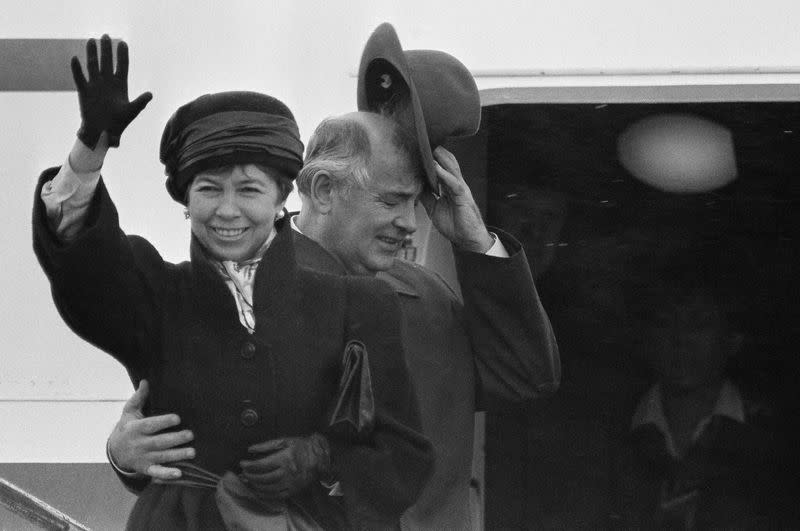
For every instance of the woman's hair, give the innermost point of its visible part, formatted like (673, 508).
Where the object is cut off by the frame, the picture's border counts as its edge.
(285, 184)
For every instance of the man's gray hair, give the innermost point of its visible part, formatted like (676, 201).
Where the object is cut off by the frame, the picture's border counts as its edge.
(339, 146)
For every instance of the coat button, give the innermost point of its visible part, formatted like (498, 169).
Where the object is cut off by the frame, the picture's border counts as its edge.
(248, 350)
(249, 417)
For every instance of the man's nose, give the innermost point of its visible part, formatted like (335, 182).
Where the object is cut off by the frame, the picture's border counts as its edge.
(407, 220)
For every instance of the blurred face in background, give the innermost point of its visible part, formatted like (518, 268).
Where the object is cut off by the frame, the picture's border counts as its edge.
(687, 341)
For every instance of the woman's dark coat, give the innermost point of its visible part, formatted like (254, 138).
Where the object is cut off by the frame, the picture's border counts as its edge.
(177, 326)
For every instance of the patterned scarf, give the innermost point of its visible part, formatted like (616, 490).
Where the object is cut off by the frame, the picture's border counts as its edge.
(240, 277)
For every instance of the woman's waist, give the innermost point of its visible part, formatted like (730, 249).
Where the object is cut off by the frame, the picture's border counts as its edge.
(221, 446)
(241, 405)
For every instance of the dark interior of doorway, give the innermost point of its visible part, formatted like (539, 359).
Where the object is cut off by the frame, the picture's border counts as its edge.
(553, 179)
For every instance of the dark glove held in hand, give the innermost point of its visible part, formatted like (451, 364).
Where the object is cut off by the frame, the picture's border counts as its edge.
(283, 467)
(104, 96)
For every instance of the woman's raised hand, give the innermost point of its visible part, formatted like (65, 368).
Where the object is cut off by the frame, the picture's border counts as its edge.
(103, 96)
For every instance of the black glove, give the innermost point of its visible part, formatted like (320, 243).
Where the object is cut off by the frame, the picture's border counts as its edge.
(287, 466)
(104, 97)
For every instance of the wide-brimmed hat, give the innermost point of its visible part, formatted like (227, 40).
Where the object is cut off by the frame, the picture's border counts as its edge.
(443, 95)
(227, 128)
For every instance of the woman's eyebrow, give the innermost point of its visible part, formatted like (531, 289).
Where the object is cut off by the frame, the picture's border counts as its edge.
(205, 179)
(251, 180)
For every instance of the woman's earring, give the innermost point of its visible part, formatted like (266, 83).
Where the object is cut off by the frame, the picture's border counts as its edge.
(186, 213)
(280, 215)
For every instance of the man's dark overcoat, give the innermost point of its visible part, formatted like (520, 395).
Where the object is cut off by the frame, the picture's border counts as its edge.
(491, 346)
(177, 326)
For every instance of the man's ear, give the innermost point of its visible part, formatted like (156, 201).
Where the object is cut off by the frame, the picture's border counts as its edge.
(322, 192)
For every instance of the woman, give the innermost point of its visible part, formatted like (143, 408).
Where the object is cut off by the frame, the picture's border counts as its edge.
(245, 346)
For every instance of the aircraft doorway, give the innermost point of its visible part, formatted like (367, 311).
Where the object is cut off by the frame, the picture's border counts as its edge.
(560, 177)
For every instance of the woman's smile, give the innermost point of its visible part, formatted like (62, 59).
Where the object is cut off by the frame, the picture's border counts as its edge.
(228, 233)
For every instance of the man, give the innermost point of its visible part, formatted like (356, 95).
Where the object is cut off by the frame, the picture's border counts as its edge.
(361, 180)
(702, 451)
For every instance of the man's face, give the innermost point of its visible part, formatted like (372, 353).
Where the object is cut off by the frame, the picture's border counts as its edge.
(368, 224)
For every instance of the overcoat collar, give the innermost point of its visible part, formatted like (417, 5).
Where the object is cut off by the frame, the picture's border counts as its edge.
(314, 256)
(399, 285)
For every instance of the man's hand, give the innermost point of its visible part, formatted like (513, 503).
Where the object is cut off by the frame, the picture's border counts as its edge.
(133, 447)
(286, 466)
(104, 96)
(455, 213)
